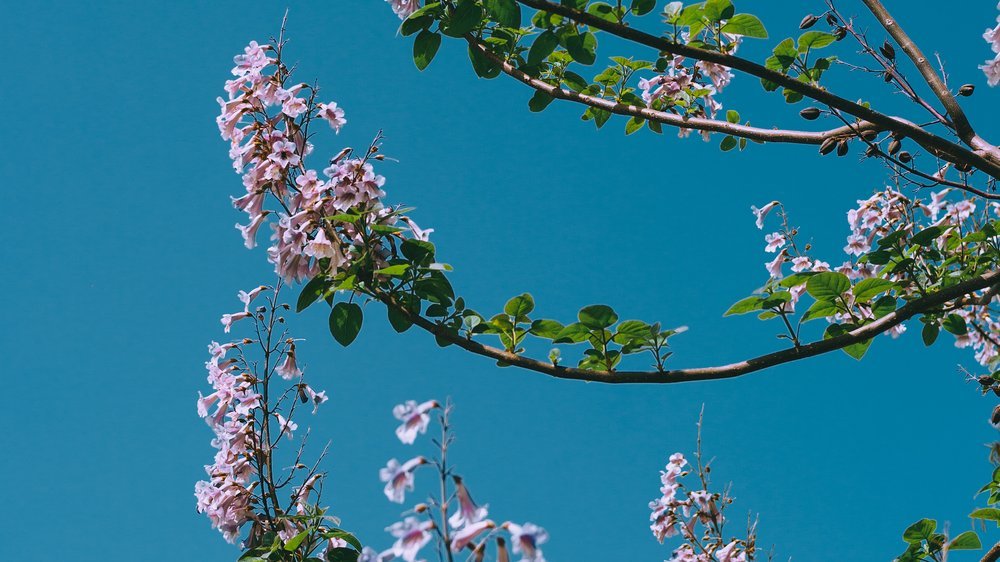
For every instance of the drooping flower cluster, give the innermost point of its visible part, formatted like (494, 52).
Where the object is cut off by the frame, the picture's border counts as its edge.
(249, 424)
(322, 220)
(899, 246)
(992, 67)
(697, 517)
(467, 528)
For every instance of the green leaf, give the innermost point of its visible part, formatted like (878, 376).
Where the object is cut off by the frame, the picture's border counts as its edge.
(716, 10)
(295, 541)
(573, 333)
(642, 7)
(466, 17)
(484, 66)
(539, 101)
(597, 316)
(634, 124)
(425, 46)
(415, 23)
(417, 251)
(749, 304)
(574, 81)
(313, 290)
(582, 47)
(968, 540)
(815, 40)
(930, 333)
(986, 513)
(519, 306)
(342, 555)
(784, 55)
(820, 309)
(506, 12)
(603, 10)
(345, 322)
(955, 324)
(548, 329)
(394, 270)
(919, 531)
(398, 319)
(542, 47)
(884, 306)
(728, 143)
(927, 236)
(866, 289)
(828, 285)
(747, 25)
(733, 116)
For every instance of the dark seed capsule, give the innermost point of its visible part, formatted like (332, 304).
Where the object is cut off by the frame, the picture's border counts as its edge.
(966, 90)
(840, 33)
(842, 148)
(995, 418)
(872, 150)
(985, 380)
(887, 77)
(808, 21)
(963, 167)
(894, 146)
(828, 146)
(810, 113)
(887, 50)
(905, 157)
(831, 19)
(869, 135)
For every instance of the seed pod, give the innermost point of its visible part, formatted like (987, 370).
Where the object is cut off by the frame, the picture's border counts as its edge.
(808, 21)
(966, 90)
(840, 33)
(905, 157)
(894, 146)
(872, 150)
(985, 380)
(887, 77)
(887, 50)
(831, 19)
(827, 146)
(995, 418)
(810, 113)
(963, 167)
(842, 148)
(869, 135)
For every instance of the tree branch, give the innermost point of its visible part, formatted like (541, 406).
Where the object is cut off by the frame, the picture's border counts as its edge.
(697, 123)
(940, 146)
(993, 555)
(858, 335)
(961, 123)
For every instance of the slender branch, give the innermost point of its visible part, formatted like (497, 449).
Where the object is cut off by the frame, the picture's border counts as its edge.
(868, 331)
(697, 123)
(936, 83)
(937, 144)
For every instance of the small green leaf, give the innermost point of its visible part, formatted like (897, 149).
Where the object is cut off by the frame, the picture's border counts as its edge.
(425, 46)
(548, 329)
(728, 143)
(986, 513)
(866, 289)
(968, 540)
(519, 306)
(716, 10)
(398, 319)
(573, 333)
(345, 322)
(749, 304)
(815, 40)
(466, 17)
(930, 333)
(484, 66)
(394, 270)
(955, 324)
(313, 290)
(634, 124)
(747, 25)
(574, 81)
(733, 116)
(582, 47)
(927, 236)
(820, 309)
(539, 101)
(642, 7)
(919, 531)
(542, 47)
(597, 316)
(295, 541)
(506, 12)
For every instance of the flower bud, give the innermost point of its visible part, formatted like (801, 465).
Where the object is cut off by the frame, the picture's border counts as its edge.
(808, 21)
(810, 113)
(966, 90)
(420, 508)
(887, 50)
(894, 146)
(828, 146)
(842, 148)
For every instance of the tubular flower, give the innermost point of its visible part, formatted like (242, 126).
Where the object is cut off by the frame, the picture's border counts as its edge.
(414, 417)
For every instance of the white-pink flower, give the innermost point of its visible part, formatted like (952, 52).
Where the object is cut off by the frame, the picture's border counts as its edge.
(411, 535)
(398, 478)
(414, 417)
(761, 213)
(228, 319)
(462, 538)
(468, 512)
(526, 539)
(332, 114)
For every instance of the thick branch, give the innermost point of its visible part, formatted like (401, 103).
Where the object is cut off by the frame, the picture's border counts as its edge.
(943, 147)
(697, 123)
(937, 85)
(993, 555)
(884, 324)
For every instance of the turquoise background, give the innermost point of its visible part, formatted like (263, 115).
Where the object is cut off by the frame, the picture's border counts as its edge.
(120, 256)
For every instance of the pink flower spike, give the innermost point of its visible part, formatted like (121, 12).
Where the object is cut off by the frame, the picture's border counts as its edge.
(228, 319)
(762, 212)
(462, 538)
(414, 418)
(468, 512)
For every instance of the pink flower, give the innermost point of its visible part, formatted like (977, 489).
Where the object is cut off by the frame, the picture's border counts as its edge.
(283, 154)
(398, 478)
(293, 107)
(287, 426)
(414, 417)
(228, 319)
(316, 398)
(857, 244)
(249, 231)
(403, 8)
(321, 247)
(774, 241)
(332, 114)
(288, 369)
(247, 298)
(762, 212)
(774, 266)
(462, 538)
(418, 233)
(992, 71)
(468, 512)
(801, 263)
(526, 539)
(729, 553)
(411, 535)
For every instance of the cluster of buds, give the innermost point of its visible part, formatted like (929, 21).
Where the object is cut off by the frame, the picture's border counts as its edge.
(468, 528)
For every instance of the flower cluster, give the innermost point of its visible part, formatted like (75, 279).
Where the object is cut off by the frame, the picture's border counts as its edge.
(322, 218)
(249, 423)
(992, 67)
(697, 517)
(467, 528)
(403, 8)
(901, 245)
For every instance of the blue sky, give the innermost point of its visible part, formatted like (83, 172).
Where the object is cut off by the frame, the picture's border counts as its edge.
(121, 255)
